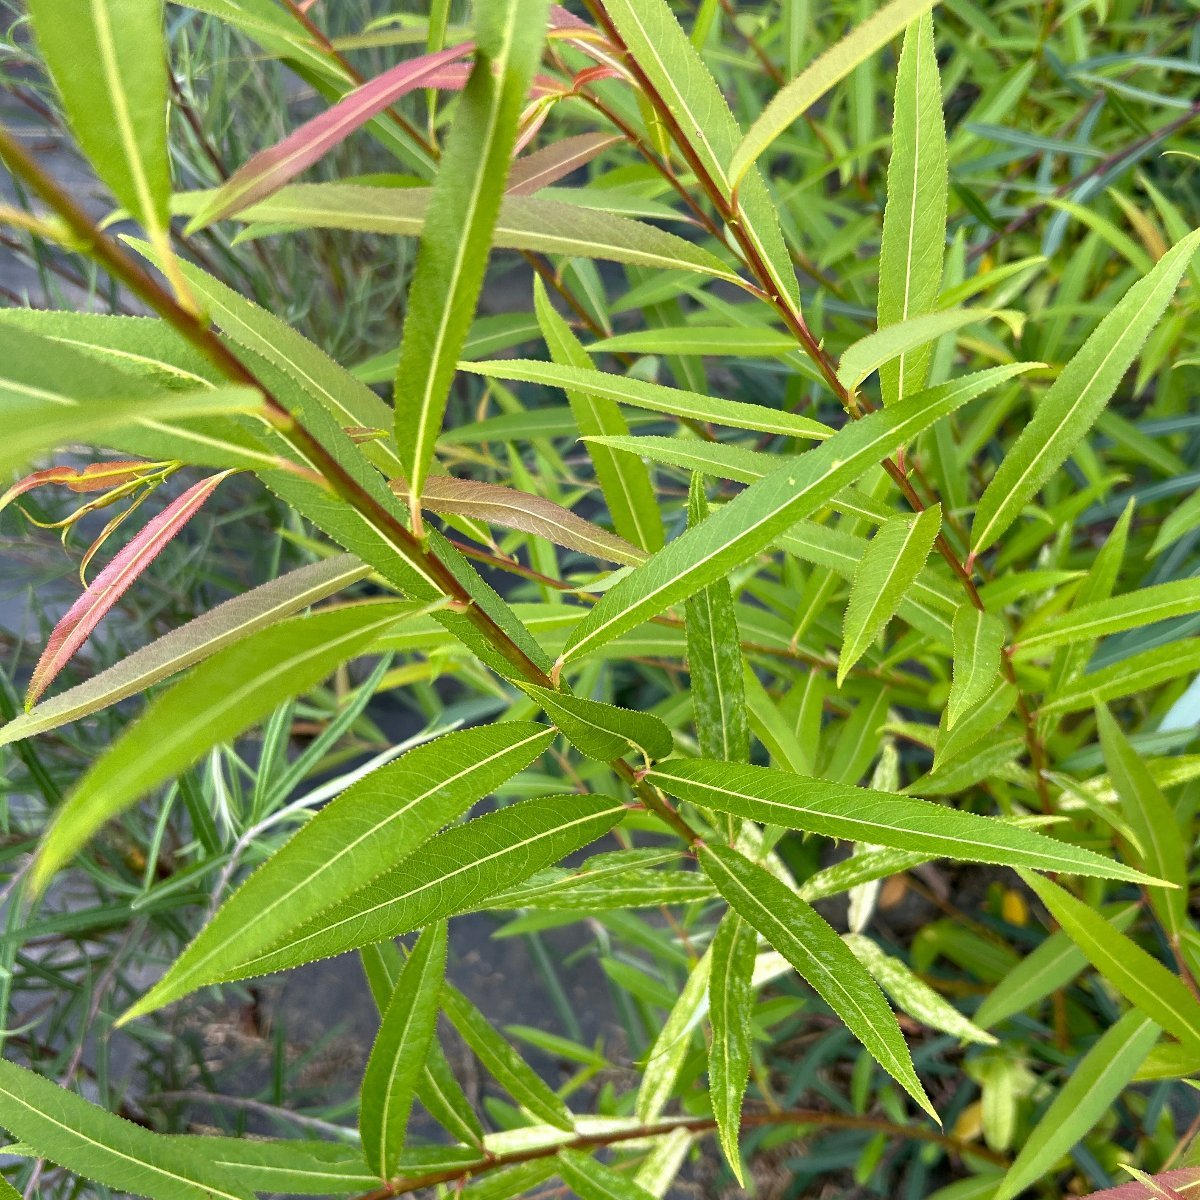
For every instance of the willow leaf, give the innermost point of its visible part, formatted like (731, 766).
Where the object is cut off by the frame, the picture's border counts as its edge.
(914, 220)
(855, 814)
(398, 1055)
(502, 1062)
(591, 1180)
(1140, 978)
(1068, 410)
(978, 642)
(624, 480)
(457, 235)
(714, 654)
(907, 344)
(801, 935)
(375, 823)
(200, 638)
(790, 103)
(292, 1167)
(452, 873)
(894, 558)
(89, 1141)
(731, 1011)
(667, 1056)
(1090, 1088)
(219, 700)
(604, 731)
(754, 519)
(1131, 675)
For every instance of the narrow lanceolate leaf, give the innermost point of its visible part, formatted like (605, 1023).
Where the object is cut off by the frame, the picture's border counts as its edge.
(398, 1055)
(219, 700)
(1067, 411)
(894, 558)
(1125, 678)
(286, 1167)
(906, 343)
(731, 1011)
(794, 100)
(1179, 598)
(458, 228)
(374, 824)
(200, 638)
(715, 660)
(512, 509)
(687, 89)
(556, 161)
(502, 1062)
(655, 397)
(914, 221)
(666, 1058)
(117, 106)
(113, 582)
(794, 928)
(536, 223)
(591, 1180)
(1138, 976)
(978, 641)
(623, 477)
(604, 731)
(1152, 821)
(755, 518)
(88, 1141)
(856, 814)
(452, 873)
(911, 994)
(1090, 1088)
(271, 169)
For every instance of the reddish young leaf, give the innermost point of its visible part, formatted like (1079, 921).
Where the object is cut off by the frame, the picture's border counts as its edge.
(552, 163)
(95, 477)
(1180, 1183)
(112, 583)
(270, 169)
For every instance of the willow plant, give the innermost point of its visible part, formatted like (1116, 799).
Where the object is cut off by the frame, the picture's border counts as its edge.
(866, 602)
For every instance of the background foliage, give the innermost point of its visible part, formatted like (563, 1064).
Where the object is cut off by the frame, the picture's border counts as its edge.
(970, 257)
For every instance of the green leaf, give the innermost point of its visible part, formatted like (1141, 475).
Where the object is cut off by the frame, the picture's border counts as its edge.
(856, 814)
(914, 221)
(398, 1055)
(375, 823)
(667, 1056)
(1137, 673)
(714, 655)
(219, 700)
(578, 377)
(1068, 410)
(452, 873)
(794, 928)
(445, 1101)
(603, 731)
(791, 102)
(534, 223)
(894, 558)
(285, 1167)
(755, 518)
(906, 343)
(502, 1062)
(623, 478)
(1090, 1087)
(911, 994)
(591, 1180)
(1045, 969)
(200, 638)
(1140, 978)
(1160, 602)
(88, 1141)
(1152, 821)
(978, 642)
(109, 63)
(731, 1010)
(457, 235)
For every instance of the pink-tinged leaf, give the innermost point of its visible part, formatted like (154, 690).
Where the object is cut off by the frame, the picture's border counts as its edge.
(1184, 1183)
(112, 583)
(95, 477)
(270, 169)
(552, 163)
(561, 19)
(511, 509)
